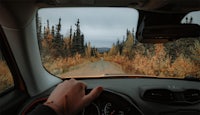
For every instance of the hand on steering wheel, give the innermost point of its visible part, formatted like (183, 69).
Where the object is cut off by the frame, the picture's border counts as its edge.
(69, 97)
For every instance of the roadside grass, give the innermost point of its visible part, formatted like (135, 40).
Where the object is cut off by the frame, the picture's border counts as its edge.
(160, 64)
(62, 65)
(6, 79)
(55, 66)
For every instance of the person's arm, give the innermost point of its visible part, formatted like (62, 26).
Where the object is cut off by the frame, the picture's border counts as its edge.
(68, 98)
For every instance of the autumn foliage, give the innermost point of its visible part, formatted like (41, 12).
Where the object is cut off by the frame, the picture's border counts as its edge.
(6, 79)
(171, 60)
(179, 61)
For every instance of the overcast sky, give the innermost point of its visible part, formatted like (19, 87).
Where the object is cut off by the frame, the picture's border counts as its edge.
(101, 26)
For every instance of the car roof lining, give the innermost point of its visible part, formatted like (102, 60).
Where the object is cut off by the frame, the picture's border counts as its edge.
(169, 6)
(23, 9)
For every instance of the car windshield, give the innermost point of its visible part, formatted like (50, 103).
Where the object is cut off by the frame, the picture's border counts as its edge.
(93, 42)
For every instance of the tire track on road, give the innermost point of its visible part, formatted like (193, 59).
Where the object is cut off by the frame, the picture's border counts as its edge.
(94, 69)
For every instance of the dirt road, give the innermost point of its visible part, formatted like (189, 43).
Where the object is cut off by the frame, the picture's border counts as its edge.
(96, 68)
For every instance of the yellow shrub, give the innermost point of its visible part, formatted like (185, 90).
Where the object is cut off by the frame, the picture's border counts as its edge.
(6, 79)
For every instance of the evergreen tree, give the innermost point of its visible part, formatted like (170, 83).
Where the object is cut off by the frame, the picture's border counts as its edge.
(58, 42)
(47, 29)
(53, 31)
(128, 45)
(39, 30)
(44, 32)
(70, 36)
(78, 40)
(119, 47)
(94, 52)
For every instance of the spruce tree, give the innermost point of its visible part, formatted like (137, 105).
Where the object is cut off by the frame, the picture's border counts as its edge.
(39, 30)
(78, 40)
(58, 42)
(53, 32)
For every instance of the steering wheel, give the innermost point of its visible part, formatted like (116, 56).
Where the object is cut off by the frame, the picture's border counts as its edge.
(108, 103)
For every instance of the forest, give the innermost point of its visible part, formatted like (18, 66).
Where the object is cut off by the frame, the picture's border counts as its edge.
(177, 59)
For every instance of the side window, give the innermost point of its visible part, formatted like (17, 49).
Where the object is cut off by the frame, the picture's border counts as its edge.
(6, 79)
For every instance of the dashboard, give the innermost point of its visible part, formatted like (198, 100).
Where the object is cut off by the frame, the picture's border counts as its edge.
(137, 96)
(111, 103)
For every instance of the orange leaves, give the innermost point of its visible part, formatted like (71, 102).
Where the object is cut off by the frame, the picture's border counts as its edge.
(6, 79)
(158, 64)
(60, 65)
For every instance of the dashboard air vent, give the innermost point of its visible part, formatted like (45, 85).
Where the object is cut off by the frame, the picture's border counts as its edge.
(189, 96)
(192, 95)
(159, 95)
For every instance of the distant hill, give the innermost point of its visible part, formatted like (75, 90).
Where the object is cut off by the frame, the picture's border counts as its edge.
(103, 49)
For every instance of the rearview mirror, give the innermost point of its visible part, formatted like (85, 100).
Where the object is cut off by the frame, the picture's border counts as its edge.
(165, 33)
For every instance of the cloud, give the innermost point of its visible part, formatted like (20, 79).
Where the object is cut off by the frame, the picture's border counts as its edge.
(101, 26)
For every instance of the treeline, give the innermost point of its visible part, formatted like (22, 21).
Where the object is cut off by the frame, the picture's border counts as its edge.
(130, 47)
(179, 58)
(52, 43)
